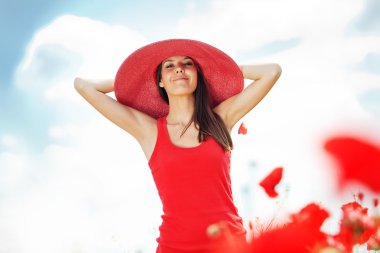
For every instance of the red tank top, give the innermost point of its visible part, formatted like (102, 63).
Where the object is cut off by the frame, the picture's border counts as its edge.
(194, 186)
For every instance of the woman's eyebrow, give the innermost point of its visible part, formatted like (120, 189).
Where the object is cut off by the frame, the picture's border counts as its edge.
(166, 61)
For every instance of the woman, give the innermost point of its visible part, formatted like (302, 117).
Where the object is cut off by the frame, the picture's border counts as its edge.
(180, 99)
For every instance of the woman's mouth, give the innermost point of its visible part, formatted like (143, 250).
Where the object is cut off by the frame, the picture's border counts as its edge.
(181, 78)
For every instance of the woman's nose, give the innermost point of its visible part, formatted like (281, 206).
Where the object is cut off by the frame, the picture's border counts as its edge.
(179, 70)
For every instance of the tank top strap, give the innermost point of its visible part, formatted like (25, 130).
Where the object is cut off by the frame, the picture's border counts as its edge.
(160, 142)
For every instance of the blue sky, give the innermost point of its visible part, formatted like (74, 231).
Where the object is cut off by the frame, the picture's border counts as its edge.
(63, 165)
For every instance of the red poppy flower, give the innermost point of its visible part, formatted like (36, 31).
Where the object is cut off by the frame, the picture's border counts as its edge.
(302, 234)
(312, 215)
(358, 160)
(289, 239)
(269, 182)
(356, 227)
(242, 129)
(353, 206)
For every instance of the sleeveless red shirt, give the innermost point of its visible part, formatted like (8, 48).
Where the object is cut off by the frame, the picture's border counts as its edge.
(194, 186)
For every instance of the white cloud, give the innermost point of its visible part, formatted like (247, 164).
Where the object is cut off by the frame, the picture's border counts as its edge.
(10, 141)
(81, 196)
(72, 46)
(243, 24)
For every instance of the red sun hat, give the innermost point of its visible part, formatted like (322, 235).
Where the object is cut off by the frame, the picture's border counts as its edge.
(135, 81)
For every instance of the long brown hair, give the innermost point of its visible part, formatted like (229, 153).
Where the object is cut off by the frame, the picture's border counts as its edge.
(206, 120)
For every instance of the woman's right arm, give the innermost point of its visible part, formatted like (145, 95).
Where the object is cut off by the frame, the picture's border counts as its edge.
(135, 122)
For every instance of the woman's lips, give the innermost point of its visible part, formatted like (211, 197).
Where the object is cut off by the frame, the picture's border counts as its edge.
(181, 78)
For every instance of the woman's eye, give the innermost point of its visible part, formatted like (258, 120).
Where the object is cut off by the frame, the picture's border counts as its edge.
(185, 64)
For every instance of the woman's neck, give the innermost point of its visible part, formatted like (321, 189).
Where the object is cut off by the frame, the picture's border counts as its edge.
(181, 110)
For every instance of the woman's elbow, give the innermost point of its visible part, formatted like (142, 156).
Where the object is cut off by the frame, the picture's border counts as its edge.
(78, 84)
(276, 70)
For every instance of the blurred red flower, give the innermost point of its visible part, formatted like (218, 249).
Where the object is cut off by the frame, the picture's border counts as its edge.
(269, 182)
(242, 129)
(356, 227)
(302, 234)
(312, 215)
(358, 160)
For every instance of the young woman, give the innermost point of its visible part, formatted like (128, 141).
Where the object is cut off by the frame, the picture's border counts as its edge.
(180, 99)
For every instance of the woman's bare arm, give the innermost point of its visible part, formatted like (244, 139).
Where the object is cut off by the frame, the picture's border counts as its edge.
(137, 123)
(264, 76)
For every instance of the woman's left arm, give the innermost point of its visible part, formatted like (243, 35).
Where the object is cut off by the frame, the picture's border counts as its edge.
(264, 76)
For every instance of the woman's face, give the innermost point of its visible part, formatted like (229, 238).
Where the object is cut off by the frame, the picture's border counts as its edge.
(179, 75)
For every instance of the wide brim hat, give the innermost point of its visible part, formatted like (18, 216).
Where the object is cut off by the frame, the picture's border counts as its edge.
(135, 81)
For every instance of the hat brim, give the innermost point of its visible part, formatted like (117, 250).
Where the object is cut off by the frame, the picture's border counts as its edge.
(135, 81)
